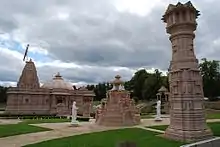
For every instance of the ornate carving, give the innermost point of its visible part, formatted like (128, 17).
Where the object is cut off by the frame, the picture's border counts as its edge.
(186, 88)
(120, 107)
(29, 78)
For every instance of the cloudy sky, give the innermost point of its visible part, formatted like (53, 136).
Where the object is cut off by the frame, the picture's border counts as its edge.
(90, 41)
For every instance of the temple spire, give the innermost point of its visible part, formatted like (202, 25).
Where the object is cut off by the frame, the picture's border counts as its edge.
(29, 78)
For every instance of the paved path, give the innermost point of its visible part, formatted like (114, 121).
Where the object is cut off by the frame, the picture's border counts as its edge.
(150, 129)
(9, 121)
(64, 130)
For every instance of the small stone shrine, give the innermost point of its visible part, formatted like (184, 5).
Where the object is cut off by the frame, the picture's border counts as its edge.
(119, 109)
(163, 96)
(187, 112)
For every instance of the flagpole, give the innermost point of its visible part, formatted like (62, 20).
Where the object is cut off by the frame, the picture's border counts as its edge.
(26, 51)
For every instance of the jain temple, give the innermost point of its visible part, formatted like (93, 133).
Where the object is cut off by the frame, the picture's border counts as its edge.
(53, 97)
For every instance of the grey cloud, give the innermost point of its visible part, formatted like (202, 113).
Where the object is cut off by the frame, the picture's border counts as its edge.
(88, 75)
(130, 40)
(97, 34)
(11, 69)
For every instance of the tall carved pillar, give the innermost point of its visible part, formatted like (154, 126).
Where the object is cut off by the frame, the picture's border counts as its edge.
(187, 114)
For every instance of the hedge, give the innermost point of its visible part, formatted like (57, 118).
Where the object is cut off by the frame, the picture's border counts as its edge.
(13, 116)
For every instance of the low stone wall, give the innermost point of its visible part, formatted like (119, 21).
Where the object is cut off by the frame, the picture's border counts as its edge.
(212, 105)
(215, 142)
(211, 111)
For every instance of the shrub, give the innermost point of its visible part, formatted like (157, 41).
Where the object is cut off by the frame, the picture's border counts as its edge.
(92, 115)
(13, 116)
(79, 118)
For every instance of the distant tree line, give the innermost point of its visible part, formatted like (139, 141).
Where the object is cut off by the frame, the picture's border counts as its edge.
(210, 70)
(3, 95)
(144, 85)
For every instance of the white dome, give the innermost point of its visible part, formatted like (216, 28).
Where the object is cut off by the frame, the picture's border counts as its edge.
(57, 83)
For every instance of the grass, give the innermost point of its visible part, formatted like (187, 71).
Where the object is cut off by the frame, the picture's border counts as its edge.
(162, 127)
(24, 127)
(142, 138)
(214, 126)
(213, 116)
(20, 128)
(146, 116)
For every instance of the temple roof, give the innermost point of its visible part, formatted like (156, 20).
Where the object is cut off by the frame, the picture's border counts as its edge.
(179, 5)
(162, 89)
(29, 78)
(117, 80)
(58, 83)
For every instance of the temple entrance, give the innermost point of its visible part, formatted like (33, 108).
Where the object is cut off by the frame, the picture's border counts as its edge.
(61, 108)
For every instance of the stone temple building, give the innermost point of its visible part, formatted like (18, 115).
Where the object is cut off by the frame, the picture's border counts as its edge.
(119, 109)
(53, 97)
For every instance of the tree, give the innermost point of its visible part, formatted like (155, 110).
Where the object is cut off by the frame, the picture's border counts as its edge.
(151, 85)
(137, 83)
(3, 94)
(211, 77)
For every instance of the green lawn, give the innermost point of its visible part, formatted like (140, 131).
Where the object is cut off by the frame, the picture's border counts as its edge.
(143, 138)
(20, 128)
(214, 126)
(146, 116)
(213, 116)
(24, 127)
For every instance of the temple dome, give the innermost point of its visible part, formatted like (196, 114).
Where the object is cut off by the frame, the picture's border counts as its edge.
(58, 83)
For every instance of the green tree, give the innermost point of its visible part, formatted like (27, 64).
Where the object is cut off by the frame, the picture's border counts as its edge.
(137, 83)
(151, 85)
(211, 77)
(3, 94)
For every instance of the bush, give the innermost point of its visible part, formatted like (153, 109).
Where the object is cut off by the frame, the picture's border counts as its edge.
(92, 115)
(31, 116)
(13, 116)
(27, 115)
(80, 118)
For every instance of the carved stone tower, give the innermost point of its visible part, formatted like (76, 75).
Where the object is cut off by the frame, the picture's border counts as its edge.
(29, 78)
(187, 114)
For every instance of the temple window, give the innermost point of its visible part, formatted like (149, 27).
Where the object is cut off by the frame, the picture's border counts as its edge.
(184, 15)
(47, 101)
(177, 17)
(26, 100)
(59, 101)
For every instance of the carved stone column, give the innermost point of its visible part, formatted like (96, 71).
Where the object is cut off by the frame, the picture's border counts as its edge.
(187, 114)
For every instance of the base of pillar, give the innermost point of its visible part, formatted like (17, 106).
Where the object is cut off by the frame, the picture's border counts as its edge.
(188, 136)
